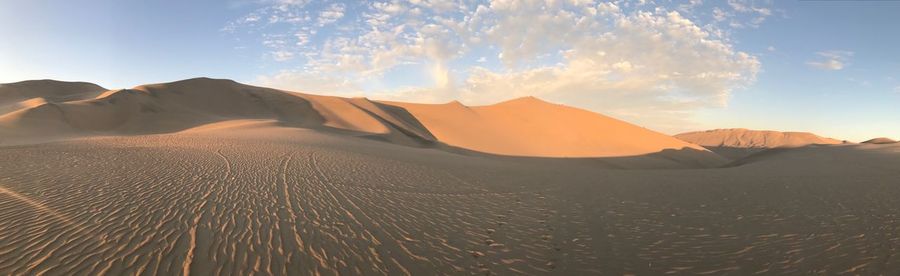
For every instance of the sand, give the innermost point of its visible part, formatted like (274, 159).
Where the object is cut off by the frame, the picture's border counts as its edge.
(300, 191)
(252, 197)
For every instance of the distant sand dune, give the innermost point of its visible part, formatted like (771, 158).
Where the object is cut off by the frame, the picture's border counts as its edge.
(51, 90)
(738, 143)
(881, 140)
(30, 94)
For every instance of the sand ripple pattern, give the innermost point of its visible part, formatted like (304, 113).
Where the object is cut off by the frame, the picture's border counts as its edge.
(192, 205)
(198, 205)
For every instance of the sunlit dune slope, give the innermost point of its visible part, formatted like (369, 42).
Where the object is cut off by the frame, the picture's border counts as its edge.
(532, 127)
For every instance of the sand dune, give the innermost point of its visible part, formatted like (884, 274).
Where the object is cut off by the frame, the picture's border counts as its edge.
(532, 127)
(738, 142)
(51, 90)
(881, 140)
(30, 94)
(522, 127)
(745, 138)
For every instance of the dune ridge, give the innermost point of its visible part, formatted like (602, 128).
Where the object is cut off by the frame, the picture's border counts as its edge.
(746, 138)
(520, 127)
(737, 143)
(880, 140)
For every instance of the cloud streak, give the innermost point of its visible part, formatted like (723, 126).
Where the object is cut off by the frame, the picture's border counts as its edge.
(831, 60)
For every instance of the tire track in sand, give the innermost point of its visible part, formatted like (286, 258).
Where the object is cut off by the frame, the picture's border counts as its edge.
(200, 211)
(292, 241)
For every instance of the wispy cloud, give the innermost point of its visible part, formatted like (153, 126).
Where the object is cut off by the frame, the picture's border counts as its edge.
(333, 13)
(743, 13)
(282, 55)
(831, 60)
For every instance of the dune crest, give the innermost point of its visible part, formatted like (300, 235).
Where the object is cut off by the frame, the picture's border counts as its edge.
(746, 138)
(881, 140)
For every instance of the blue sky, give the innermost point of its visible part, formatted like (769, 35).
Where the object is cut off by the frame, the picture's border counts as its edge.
(829, 67)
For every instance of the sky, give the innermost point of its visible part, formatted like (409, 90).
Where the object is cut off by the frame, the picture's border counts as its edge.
(828, 67)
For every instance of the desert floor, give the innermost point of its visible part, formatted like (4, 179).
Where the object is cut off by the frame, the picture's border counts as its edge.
(300, 202)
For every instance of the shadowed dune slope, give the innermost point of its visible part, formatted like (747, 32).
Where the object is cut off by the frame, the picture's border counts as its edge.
(521, 127)
(825, 159)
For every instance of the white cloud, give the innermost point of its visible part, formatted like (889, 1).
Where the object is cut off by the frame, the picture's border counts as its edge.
(251, 18)
(332, 14)
(282, 55)
(831, 60)
(739, 6)
(301, 81)
(302, 38)
(744, 13)
(629, 59)
(720, 15)
(283, 3)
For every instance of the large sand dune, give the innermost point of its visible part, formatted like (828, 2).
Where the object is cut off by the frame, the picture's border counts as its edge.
(737, 143)
(531, 127)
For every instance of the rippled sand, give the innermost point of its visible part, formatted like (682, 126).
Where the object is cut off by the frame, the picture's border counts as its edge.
(306, 202)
